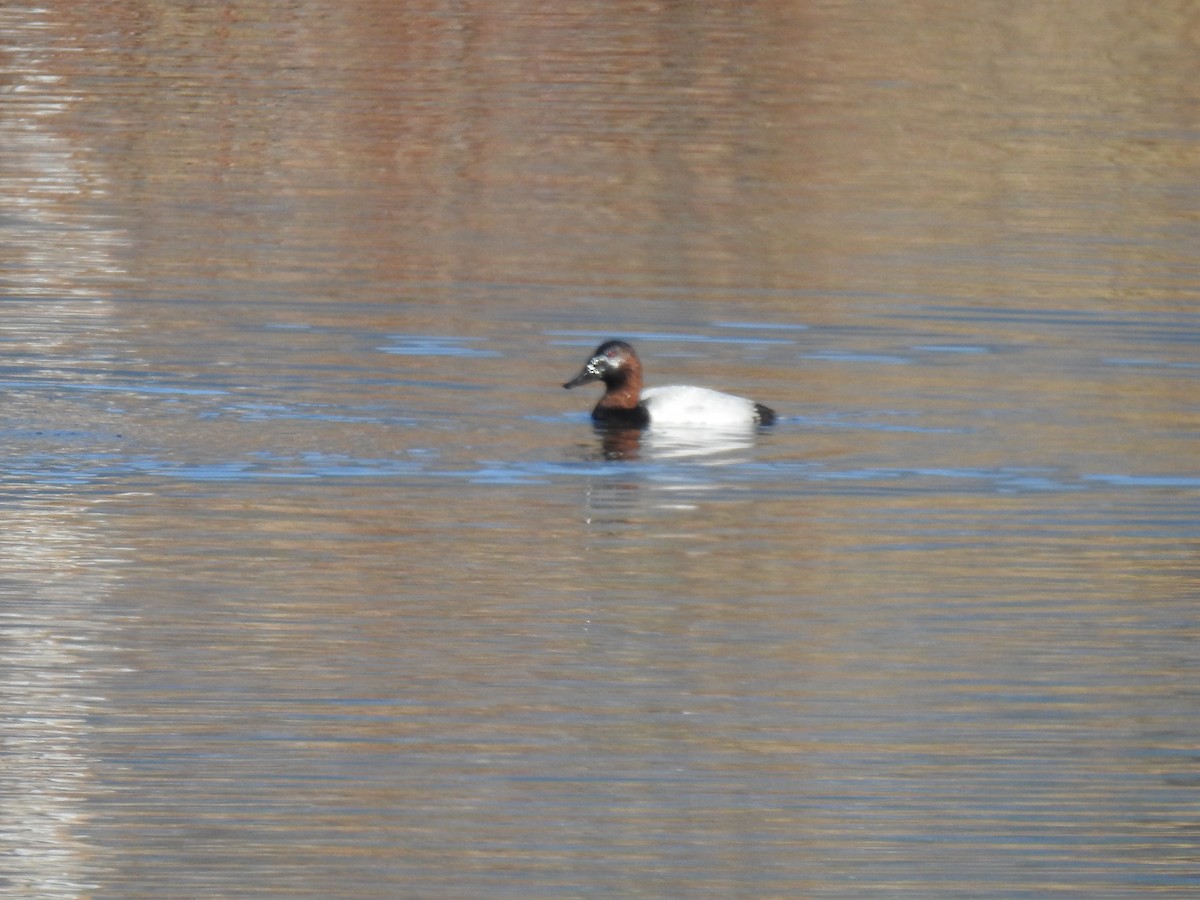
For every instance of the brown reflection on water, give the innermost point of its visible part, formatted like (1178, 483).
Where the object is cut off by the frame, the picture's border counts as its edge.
(324, 149)
(695, 683)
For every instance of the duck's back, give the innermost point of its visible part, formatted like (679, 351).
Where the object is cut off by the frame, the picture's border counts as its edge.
(684, 405)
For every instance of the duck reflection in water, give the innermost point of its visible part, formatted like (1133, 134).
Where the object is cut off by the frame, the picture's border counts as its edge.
(619, 443)
(668, 442)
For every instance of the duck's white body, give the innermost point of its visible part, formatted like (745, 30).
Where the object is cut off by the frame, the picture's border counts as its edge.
(680, 405)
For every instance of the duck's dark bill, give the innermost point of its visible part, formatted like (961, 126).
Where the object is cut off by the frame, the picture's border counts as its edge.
(584, 377)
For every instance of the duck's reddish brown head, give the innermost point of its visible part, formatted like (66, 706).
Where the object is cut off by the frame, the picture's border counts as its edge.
(617, 365)
(613, 362)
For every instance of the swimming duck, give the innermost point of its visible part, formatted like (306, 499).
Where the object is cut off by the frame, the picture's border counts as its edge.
(626, 405)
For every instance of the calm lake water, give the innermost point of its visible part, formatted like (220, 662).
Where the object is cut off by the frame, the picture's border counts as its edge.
(315, 583)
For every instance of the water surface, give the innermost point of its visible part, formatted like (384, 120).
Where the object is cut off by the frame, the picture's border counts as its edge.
(314, 582)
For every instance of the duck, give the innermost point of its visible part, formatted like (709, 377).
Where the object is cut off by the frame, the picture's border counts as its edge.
(626, 405)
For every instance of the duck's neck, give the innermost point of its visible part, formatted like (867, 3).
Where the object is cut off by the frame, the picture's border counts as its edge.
(623, 394)
(621, 402)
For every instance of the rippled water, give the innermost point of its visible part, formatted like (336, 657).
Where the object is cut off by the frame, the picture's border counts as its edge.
(314, 582)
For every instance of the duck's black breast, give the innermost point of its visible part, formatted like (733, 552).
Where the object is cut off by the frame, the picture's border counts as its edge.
(620, 417)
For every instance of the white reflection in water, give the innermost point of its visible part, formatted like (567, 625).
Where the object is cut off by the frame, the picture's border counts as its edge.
(52, 583)
(661, 469)
(706, 444)
(711, 446)
(54, 240)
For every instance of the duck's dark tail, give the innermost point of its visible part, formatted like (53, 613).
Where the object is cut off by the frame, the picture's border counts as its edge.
(766, 415)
